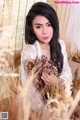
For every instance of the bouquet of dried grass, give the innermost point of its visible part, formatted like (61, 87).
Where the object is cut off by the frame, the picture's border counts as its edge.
(53, 97)
(48, 66)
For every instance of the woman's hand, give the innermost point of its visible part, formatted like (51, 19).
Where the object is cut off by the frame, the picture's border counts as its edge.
(50, 79)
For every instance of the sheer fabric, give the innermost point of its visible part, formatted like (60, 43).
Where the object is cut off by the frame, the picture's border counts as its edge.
(33, 51)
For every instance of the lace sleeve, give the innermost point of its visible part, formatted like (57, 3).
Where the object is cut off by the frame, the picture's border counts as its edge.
(28, 52)
(66, 74)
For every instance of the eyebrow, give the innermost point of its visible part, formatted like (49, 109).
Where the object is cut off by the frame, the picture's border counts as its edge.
(41, 24)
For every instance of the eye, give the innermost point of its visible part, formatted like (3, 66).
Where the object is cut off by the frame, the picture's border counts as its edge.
(48, 24)
(38, 27)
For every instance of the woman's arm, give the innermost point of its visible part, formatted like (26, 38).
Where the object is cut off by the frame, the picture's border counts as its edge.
(66, 76)
(27, 53)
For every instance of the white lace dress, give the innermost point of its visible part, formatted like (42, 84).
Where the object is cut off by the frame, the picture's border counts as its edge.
(33, 51)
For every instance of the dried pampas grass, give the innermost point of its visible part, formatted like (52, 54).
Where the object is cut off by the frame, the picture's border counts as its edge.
(33, 108)
(9, 82)
(53, 110)
(73, 52)
(26, 106)
(9, 77)
(25, 103)
(76, 57)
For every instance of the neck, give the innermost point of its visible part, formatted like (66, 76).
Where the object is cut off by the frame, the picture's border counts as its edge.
(45, 46)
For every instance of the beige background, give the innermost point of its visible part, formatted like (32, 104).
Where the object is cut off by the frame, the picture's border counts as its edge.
(69, 20)
(12, 21)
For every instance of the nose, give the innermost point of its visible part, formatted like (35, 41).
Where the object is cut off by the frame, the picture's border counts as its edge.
(44, 30)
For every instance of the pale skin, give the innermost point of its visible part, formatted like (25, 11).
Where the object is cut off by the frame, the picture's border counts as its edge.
(44, 32)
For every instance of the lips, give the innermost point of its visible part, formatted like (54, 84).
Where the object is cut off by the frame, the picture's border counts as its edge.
(45, 38)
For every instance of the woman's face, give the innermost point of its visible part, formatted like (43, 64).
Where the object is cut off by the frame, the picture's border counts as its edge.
(42, 29)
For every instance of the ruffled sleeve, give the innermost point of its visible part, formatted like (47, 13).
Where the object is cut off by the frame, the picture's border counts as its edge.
(28, 52)
(66, 74)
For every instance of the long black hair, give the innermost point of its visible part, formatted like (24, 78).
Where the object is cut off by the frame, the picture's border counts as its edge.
(43, 9)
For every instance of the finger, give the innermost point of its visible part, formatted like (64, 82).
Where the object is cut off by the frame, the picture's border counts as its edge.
(47, 82)
(47, 77)
(44, 75)
(44, 80)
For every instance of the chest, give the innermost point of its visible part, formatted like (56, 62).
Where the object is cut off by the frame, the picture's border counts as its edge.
(46, 53)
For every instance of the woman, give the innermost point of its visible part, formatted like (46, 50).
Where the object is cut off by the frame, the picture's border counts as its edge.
(42, 38)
